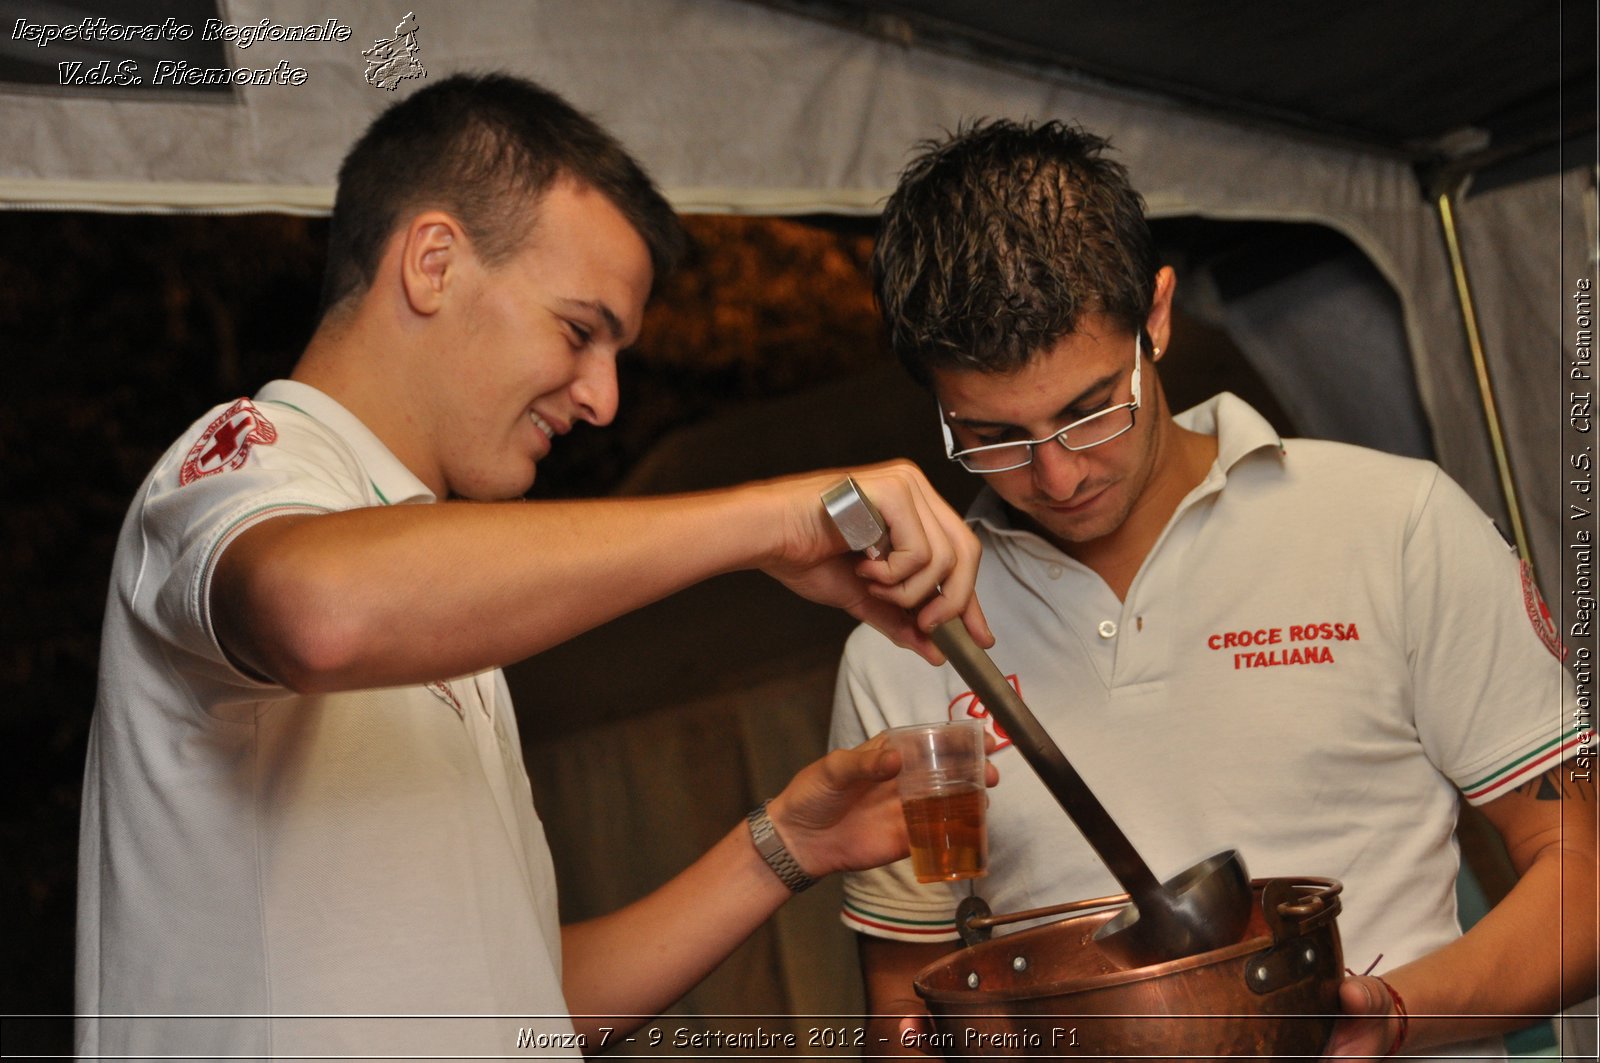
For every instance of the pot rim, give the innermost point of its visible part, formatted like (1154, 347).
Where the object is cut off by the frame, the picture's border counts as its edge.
(1129, 976)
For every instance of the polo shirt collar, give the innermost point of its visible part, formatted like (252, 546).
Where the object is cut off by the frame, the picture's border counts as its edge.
(1239, 429)
(393, 482)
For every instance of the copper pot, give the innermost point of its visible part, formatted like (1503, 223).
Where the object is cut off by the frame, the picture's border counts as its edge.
(1051, 991)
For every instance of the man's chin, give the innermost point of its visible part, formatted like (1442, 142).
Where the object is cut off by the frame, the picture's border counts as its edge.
(504, 490)
(1068, 529)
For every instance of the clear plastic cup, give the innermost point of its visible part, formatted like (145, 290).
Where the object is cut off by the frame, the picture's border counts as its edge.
(944, 797)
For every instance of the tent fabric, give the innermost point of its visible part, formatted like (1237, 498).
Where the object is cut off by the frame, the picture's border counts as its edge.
(741, 108)
(744, 742)
(1341, 375)
(1407, 79)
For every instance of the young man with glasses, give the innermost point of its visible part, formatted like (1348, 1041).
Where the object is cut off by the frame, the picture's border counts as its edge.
(1306, 651)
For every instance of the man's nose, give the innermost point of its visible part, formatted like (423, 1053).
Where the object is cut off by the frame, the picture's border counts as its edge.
(1057, 471)
(595, 390)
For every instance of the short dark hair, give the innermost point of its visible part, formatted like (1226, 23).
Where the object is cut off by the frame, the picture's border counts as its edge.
(485, 149)
(1000, 237)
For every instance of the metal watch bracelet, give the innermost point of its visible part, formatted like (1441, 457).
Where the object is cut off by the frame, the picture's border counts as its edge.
(772, 850)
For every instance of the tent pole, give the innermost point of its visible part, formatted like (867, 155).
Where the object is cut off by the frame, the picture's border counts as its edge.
(1480, 365)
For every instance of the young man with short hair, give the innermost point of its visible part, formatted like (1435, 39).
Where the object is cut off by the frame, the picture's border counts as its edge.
(306, 816)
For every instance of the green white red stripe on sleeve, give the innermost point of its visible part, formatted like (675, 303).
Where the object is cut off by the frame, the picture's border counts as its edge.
(897, 927)
(1528, 765)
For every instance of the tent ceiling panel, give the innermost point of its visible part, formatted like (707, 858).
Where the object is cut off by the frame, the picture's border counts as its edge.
(751, 106)
(1420, 78)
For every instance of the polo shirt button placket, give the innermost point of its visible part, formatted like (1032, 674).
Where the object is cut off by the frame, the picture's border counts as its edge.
(1107, 630)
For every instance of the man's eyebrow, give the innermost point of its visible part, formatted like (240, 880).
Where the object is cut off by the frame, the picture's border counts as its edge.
(612, 321)
(1062, 414)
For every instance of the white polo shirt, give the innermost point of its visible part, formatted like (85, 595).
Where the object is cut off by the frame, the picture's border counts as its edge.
(250, 858)
(1324, 644)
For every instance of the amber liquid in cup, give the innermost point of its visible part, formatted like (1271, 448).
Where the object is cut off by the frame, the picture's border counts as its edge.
(948, 840)
(943, 797)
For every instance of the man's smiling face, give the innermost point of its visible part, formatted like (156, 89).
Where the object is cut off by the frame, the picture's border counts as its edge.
(532, 346)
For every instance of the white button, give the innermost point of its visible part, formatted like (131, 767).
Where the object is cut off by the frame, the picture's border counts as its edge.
(1054, 571)
(1108, 629)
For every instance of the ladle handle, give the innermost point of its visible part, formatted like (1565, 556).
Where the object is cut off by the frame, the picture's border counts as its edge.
(1045, 757)
(862, 526)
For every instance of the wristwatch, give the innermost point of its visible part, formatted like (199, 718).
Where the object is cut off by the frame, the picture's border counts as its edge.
(771, 848)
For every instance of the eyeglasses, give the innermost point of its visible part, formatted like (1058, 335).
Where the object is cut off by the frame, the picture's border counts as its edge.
(1086, 432)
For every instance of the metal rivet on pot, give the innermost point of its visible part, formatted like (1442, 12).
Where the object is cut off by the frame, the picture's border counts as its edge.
(1019, 964)
(1309, 955)
(972, 980)
(1261, 974)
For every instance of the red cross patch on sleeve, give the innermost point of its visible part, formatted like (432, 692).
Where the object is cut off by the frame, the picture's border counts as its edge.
(1544, 625)
(226, 442)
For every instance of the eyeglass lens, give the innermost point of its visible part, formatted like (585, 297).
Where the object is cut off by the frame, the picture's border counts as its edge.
(1102, 428)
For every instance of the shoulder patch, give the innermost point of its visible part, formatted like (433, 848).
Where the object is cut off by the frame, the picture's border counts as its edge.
(1544, 624)
(226, 442)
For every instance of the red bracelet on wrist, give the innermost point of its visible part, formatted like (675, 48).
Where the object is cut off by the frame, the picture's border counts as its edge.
(1405, 1019)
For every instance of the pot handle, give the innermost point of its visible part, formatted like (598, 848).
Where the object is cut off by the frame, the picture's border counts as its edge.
(974, 919)
(1293, 907)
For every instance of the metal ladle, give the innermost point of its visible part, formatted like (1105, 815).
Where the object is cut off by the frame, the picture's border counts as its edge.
(1202, 908)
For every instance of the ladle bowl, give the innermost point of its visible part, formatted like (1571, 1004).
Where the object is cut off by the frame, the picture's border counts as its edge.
(1201, 908)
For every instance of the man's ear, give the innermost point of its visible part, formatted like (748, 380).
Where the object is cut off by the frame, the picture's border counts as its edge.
(432, 251)
(1158, 325)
